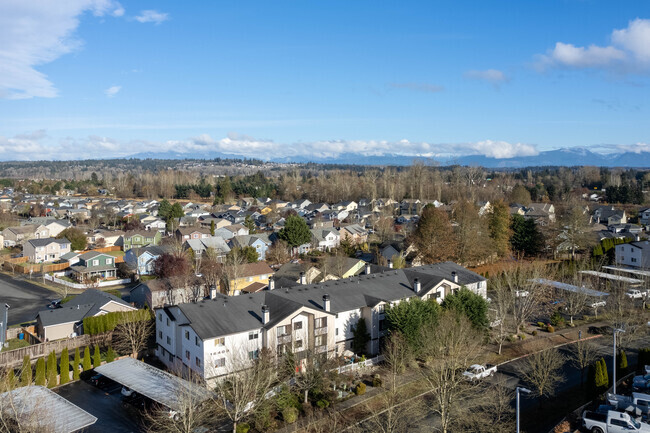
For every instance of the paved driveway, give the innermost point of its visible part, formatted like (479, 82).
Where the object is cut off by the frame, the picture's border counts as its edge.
(26, 299)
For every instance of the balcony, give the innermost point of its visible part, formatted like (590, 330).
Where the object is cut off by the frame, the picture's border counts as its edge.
(320, 349)
(284, 339)
(320, 331)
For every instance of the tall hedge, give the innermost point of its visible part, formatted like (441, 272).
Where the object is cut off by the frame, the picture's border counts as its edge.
(26, 372)
(64, 367)
(39, 378)
(110, 355)
(87, 364)
(76, 362)
(107, 322)
(97, 357)
(622, 361)
(51, 370)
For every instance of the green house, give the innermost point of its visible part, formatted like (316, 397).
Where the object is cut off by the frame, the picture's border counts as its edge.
(94, 264)
(140, 238)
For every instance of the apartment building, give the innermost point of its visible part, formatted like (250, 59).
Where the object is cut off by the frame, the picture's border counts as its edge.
(223, 334)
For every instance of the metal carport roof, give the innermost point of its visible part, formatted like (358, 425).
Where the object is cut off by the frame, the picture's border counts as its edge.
(156, 384)
(44, 409)
(569, 287)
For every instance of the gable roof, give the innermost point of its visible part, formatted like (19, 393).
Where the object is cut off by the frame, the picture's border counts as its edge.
(47, 241)
(87, 304)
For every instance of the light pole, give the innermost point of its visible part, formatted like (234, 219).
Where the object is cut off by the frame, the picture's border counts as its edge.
(519, 390)
(5, 325)
(615, 330)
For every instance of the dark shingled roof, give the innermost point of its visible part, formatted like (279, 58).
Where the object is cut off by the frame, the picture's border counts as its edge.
(47, 241)
(229, 315)
(86, 304)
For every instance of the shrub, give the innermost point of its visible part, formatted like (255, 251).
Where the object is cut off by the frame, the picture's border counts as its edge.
(550, 328)
(290, 415)
(522, 336)
(534, 333)
(360, 389)
(622, 361)
(557, 319)
(243, 428)
(285, 398)
(541, 325)
(511, 338)
(323, 404)
(376, 381)
(563, 427)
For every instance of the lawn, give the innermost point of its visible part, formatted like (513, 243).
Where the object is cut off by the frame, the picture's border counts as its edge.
(15, 343)
(116, 253)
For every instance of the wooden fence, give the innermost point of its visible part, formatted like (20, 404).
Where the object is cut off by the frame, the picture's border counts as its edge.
(14, 358)
(20, 265)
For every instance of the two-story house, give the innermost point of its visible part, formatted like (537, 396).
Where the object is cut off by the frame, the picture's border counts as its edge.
(260, 242)
(45, 250)
(325, 239)
(246, 275)
(142, 259)
(634, 254)
(217, 336)
(354, 233)
(185, 233)
(139, 238)
(217, 246)
(94, 265)
(608, 215)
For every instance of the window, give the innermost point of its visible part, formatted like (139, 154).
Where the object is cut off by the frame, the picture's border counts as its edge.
(109, 261)
(187, 354)
(321, 322)
(221, 362)
(253, 354)
(187, 335)
(618, 422)
(337, 331)
(253, 335)
(219, 341)
(160, 334)
(382, 324)
(168, 321)
(284, 330)
(169, 340)
(633, 260)
(297, 325)
(249, 279)
(160, 317)
(298, 344)
(320, 340)
(95, 262)
(196, 341)
(171, 357)
(380, 308)
(197, 362)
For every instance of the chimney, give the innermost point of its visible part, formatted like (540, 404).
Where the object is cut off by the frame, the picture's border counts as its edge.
(367, 268)
(390, 264)
(454, 276)
(213, 292)
(271, 283)
(326, 302)
(416, 285)
(266, 314)
(303, 279)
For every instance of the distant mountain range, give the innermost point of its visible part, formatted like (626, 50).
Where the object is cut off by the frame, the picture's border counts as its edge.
(574, 156)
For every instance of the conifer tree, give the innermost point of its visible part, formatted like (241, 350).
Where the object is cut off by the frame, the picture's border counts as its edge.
(97, 358)
(76, 362)
(64, 367)
(39, 378)
(51, 370)
(87, 364)
(26, 372)
(110, 355)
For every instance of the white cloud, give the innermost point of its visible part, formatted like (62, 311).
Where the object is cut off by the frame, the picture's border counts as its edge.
(418, 87)
(503, 149)
(23, 146)
(635, 148)
(112, 91)
(152, 16)
(629, 51)
(36, 32)
(493, 76)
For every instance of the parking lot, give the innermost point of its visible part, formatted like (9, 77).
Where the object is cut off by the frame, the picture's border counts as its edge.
(113, 415)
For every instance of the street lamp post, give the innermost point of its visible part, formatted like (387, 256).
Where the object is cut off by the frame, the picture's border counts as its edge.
(614, 358)
(519, 390)
(4, 324)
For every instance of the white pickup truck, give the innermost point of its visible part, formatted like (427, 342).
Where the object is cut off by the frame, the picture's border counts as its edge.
(477, 371)
(637, 402)
(612, 422)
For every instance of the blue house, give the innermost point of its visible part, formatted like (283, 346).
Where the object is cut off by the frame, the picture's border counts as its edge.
(141, 259)
(260, 242)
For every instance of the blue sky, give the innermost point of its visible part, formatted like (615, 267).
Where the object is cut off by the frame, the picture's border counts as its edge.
(98, 78)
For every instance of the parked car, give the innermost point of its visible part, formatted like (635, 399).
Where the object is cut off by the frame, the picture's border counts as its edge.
(477, 371)
(641, 382)
(636, 294)
(127, 392)
(612, 422)
(100, 381)
(55, 304)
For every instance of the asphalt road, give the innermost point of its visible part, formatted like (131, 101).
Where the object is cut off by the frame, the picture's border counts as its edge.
(24, 298)
(113, 415)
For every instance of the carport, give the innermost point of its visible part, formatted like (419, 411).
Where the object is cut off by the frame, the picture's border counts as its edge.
(158, 385)
(38, 407)
(612, 277)
(571, 288)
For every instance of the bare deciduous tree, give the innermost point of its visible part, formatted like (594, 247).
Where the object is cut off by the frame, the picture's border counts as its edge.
(543, 371)
(131, 337)
(583, 354)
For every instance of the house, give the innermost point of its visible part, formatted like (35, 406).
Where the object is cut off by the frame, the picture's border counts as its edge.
(162, 292)
(542, 213)
(337, 267)
(142, 259)
(221, 335)
(325, 239)
(94, 265)
(184, 233)
(66, 322)
(201, 246)
(53, 225)
(246, 275)
(139, 238)
(634, 254)
(107, 238)
(644, 216)
(354, 233)
(608, 215)
(236, 230)
(206, 222)
(291, 274)
(153, 223)
(18, 235)
(260, 242)
(46, 250)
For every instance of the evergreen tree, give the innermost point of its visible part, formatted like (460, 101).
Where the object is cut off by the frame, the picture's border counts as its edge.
(26, 372)
(97, 357)
(604, 373)
(87, 364)
(110, 355)
(434, 236)
(164, 209)
(295, 231)
(39, 379)
(11, 379)
(250, 224)
(51, 370)
(472, 305)
(410, 317)
(526, 237)
(212, 228)
(360, 337)
(622, 361)
(64, 367)
(499, 226)
(76, 362)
